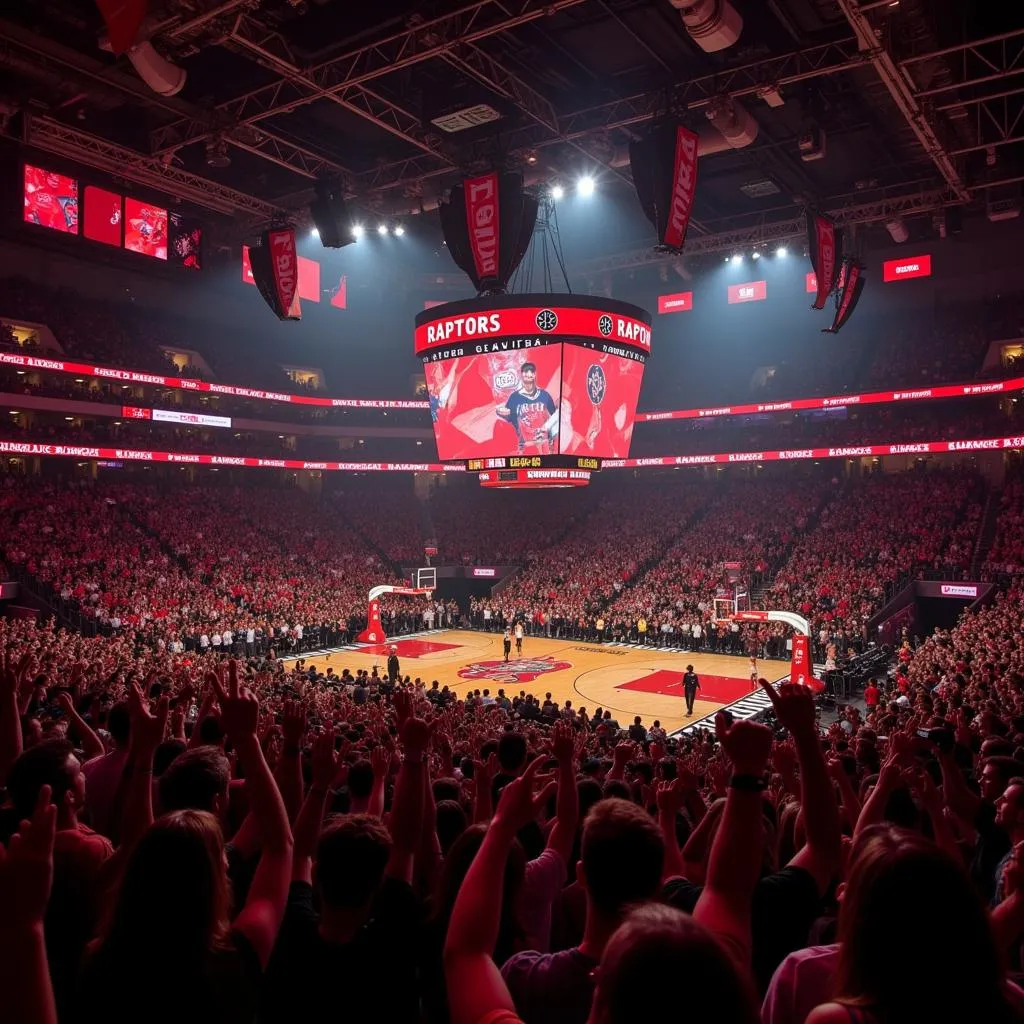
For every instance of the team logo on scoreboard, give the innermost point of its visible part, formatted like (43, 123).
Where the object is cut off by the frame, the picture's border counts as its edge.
(506, 379)
(523, 670)
(547, 320)
(604, 324)
(596, 384)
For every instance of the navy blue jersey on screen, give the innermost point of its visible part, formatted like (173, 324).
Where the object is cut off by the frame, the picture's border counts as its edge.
(529, 413)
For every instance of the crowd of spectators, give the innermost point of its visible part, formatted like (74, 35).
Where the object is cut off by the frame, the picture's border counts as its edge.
(565, 587)
(196, 569)
(1006, 555)
(870, 536)
(749, 527)
(254, 841)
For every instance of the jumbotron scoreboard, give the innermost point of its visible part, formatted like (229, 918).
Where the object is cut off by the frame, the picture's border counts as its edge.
(533, 390)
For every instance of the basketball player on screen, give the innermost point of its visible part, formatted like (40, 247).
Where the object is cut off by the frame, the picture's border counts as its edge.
(531, 411)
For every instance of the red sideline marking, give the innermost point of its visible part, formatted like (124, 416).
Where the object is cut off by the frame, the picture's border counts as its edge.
(723, 689)
(408, 648)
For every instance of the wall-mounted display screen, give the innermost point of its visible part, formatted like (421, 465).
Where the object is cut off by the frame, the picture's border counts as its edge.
(51, 200)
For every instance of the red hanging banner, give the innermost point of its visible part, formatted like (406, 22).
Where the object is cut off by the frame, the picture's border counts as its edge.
(482, 219)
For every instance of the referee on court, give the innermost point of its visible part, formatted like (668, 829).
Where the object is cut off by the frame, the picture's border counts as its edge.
(691, 684)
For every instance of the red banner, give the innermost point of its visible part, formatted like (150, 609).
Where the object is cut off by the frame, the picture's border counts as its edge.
(124, 19)
(825, 257)
(906, 268)
(482, 220)
(680, 302)
(684, 185)
(975, 389)
(993, 444)
(284, 262)
(751, 291)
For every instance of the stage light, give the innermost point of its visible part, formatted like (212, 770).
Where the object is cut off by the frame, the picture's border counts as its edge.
(756, 255)
(357, 230)
(314, 233)
(585, 186)
(727, 259)
(738, 258)
(382, 229)
(399, 230)
(557, 192)
(781, 251)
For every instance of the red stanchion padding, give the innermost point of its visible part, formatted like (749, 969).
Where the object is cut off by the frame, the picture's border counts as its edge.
(801, 669)
(374, 632)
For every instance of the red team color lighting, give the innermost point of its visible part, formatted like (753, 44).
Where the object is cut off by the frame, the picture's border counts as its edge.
(985, 444)
(991, 387)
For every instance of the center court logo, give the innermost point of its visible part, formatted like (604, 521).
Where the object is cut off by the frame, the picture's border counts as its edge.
(524, 670)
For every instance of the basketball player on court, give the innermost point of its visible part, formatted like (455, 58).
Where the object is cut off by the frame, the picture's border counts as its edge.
(691, 684)
(506, 642)
(519, 639)
(531, 411)
(753, 673)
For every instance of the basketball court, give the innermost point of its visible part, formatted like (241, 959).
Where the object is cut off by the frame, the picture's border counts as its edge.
(627, 680)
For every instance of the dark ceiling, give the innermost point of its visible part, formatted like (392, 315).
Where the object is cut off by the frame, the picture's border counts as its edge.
(287, 91)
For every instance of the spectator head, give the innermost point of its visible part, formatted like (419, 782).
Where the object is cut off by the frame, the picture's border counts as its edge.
(448, 788)
(909, 910)
(50, 763)
(456, 866)
(451, 823)
(656, 942)
(174, 900)
(210, 732)
(1010, 808)
(360, 780)
(166, 754)
(119, 724)
(621, 857)
(995, 776)
(197, 780)
(512, 752)
(31, 730)
(351, 856)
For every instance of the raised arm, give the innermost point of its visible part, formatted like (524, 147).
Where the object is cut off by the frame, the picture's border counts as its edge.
(327, 766)
(475, 985)
(289, 765)
(734, 866)
(261, 916)
(92, 745)
(26, 876)
(406, 822)
(822, 853)
(147, 733)
(567, 806)
(10, 714)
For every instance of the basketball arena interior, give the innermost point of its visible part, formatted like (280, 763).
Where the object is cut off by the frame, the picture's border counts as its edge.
(512, 511)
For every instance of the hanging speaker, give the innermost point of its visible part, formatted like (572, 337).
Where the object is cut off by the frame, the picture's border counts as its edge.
(330, 215)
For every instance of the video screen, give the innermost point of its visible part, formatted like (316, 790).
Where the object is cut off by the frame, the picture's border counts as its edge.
(499, 404)
(186, 241)
(101, 215)
(599, 398)
(145, 228)
(51, 200)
